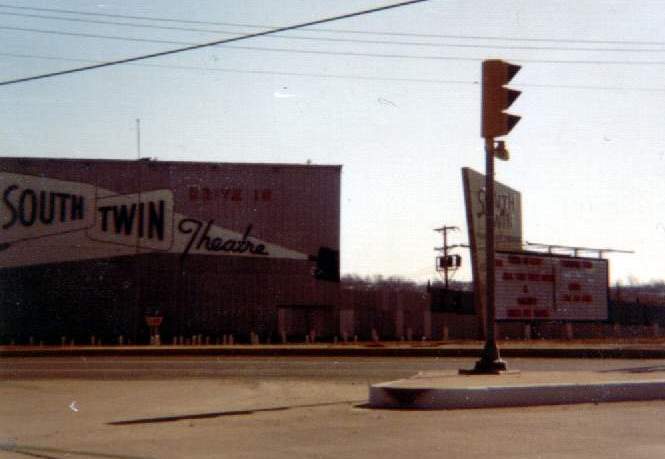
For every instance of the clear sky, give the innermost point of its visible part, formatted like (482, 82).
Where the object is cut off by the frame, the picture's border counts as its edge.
(393, 97)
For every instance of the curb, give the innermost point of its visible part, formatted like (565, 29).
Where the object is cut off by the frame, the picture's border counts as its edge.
(330, 351)
(384, 396)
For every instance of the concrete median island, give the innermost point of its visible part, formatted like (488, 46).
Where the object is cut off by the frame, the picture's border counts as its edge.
(449, 390)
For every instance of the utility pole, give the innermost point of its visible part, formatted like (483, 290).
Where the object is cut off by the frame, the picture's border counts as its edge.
(445, 253)
(137, 240)
(138, 138)
(446, 261)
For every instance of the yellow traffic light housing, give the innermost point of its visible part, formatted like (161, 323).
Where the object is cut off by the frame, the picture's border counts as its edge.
(496, 98)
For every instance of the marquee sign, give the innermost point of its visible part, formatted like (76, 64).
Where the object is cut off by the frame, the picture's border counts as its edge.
(44, 220)
(33, 207)
(136, 220)
(508, 225)
(550, 287)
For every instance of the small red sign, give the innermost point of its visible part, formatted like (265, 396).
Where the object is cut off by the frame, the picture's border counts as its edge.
(153, 321)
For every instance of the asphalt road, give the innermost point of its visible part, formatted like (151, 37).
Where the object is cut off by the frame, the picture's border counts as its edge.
(357, 369)
(143, 408)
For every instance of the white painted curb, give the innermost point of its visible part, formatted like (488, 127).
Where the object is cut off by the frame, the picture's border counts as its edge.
(390, 395)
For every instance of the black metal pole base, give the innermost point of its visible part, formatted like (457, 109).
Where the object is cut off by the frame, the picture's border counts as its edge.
(487, 367)
(490, 363)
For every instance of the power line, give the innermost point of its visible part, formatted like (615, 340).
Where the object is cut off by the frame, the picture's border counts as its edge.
(190, 46)
(389, 33)
(341, 76)
(302, 37)
(217, 42)
(444, 58)
(124, 16)
(256, 72)
(92, 35)
(348, 40)
(122, 24)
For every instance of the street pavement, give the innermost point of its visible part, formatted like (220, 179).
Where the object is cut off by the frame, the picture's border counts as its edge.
(356, 369)
(293, 408)
(600, 348)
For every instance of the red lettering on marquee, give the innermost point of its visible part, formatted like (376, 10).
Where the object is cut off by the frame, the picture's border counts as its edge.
(202, 193)
(570, 264)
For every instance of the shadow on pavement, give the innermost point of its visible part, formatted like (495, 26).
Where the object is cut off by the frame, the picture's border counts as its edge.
(46, 453)
(224, 413)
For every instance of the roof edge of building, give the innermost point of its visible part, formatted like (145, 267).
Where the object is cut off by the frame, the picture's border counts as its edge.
(167, 162)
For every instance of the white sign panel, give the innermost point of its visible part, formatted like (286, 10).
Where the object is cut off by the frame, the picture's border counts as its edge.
(197, 237)
(581, 289)
(143, 220)
(549, 287)
(508, 225)
(45, 220)
(33, 207)
(507, 212)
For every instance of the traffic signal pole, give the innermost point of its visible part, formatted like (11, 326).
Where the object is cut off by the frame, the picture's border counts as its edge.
(490, 361)
(495, 122)
(445, 256)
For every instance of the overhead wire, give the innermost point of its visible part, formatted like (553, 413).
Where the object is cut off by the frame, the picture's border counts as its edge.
(122, 24)
(349, 40)
(443, 58)
(191, 45)
(213, 43)
(311, 38)
(256, 72)
(337, 76)
(346, 31)
(94, 35)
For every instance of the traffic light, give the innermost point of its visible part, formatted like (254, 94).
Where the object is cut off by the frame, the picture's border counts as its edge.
(456, 261)
(450, 261)
(497, 98)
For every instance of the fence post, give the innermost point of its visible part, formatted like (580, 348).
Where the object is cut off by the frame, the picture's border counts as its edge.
(527, 331)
